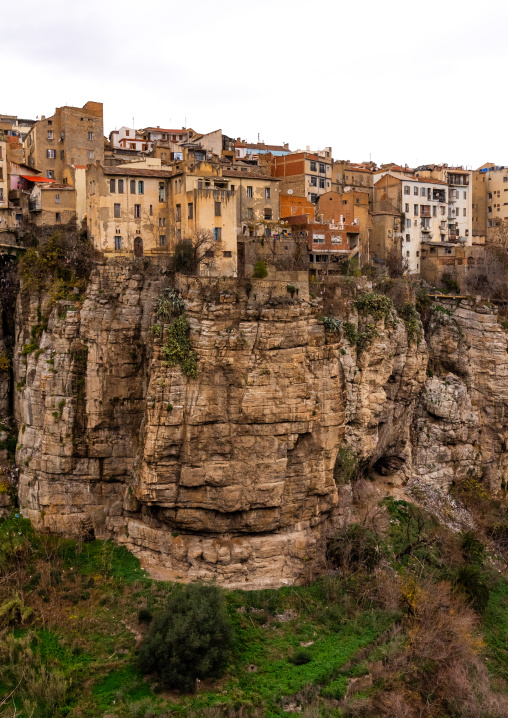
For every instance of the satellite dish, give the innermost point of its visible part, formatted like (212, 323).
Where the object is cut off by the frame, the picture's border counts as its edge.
(290, 191)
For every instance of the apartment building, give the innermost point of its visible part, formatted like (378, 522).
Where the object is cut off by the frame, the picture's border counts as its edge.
(490, 200)
(349, 210)
(408, 210)
(128, 209)
(460, 198)
(307, 174)
(15, 126)
(72, 136)
(126, 138)
(353, 176)
(257, 199)
(159, 134)
(203, 201)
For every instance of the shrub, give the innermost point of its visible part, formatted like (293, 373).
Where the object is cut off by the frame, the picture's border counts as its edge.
(354, 547)
(144, 615)
(350, 332)
(378, 306)
(190, 639)
(346, 467)
(411, 319)
(169, 303)
(177, 347)
(472, 582)
(4, 362)
(450, 284)
(331, 324)
(300, 658)
(184, 259)
(260, 270)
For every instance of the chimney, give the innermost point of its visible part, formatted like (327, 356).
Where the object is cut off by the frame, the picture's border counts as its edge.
(43, 117)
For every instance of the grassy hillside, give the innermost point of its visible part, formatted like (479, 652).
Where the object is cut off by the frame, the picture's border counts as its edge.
(409, 621)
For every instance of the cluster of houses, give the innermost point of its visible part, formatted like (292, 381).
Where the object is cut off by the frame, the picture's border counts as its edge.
(142, 191)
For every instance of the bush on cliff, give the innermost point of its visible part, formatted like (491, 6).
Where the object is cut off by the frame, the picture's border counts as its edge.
(190, 639)
(260, 270)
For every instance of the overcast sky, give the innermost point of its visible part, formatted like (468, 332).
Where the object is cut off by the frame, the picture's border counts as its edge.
(402, 81)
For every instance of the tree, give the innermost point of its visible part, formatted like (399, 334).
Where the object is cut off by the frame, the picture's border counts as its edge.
(396, 263)
(190, 639)
(490, 278)
(196, 254)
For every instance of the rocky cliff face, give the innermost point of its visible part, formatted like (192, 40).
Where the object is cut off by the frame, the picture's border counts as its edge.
(233, 475)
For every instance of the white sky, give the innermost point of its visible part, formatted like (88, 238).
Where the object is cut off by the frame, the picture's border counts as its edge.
(403, 81)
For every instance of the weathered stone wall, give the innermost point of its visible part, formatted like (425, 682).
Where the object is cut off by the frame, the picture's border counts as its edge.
(232, 475)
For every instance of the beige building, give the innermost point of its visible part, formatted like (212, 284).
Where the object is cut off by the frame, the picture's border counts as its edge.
(351, 176)
(127, 209)
(490, 201)
(4, 185)
(202, 200)
(460, 198)
(305, 174)
(52, 204)
(72, 136)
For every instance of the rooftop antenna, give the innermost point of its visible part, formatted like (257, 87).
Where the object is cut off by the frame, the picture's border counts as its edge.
(133, 123)
(258, 138)
(185, 121)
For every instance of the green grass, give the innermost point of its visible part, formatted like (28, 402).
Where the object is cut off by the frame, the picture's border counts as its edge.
(496, 630)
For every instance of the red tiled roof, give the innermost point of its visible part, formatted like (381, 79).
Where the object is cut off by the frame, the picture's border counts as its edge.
(80, 167)
(34, 178)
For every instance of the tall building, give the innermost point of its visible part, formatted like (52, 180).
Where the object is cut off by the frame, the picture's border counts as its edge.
(306, 174)
(490, 201)
(72, 136)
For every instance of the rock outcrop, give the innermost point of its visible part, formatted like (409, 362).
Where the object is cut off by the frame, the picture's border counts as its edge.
(233, 475)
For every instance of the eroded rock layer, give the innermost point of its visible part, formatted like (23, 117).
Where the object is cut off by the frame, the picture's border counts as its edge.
(233, 475)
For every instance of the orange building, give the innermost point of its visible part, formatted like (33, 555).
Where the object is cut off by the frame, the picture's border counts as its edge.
(349, 210)
(291, 206)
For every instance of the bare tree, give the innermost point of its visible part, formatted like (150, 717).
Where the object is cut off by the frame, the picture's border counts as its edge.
(490, 278)
(396, 263)
(197, 253)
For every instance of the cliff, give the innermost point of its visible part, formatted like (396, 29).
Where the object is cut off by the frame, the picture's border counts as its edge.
(238, 474)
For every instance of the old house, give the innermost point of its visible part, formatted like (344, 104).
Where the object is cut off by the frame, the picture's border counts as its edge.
(73, 135)
(490, 203)
(351, 210)
(460, 197)
(352, 176)
(128, 209)
(307, 174)
(51, 203)
(291, 206)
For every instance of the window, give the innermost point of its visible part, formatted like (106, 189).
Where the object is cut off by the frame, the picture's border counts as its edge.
(90, 154)
(50, 122)
(162, 221)
(423, 191)
(57, 217)
(250, 213)
(415, 210)
(116, 211)
(90, 135)
(178, 212)
(267, 192)
(118, 243)
(407, 189)
(443, 211)
(313, 197)
(407, 253)
(415, 190)
(313, 181)
(209, 253)
(217, 234)
(408, 237)
(313, 167)
(465, 195)
(434, 211)
(200, 184)
(178, 235)
(51, 154)
(417, 254)
(505, 179)
(321, 183)
(227, 253)
(232, 188)
(408, 223)
(406, 208)
(464, 212)
(137, 211)
(162, 240)
(120, 186)
(141, 187)
(62, 154)
(50, 174)
(321, 167)
(57, 199)
(162, 192)
(268, 213)
(50, 134)
(218, 209)
(112, 186)
(133, 186)
(151, 210)
(249, 191)
(190, 210)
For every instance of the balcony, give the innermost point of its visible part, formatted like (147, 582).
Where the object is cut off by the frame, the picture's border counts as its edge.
(34, 205)
(425, 211)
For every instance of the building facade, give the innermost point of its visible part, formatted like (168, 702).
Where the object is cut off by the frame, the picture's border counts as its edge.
(72, 136)
(306, 174)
